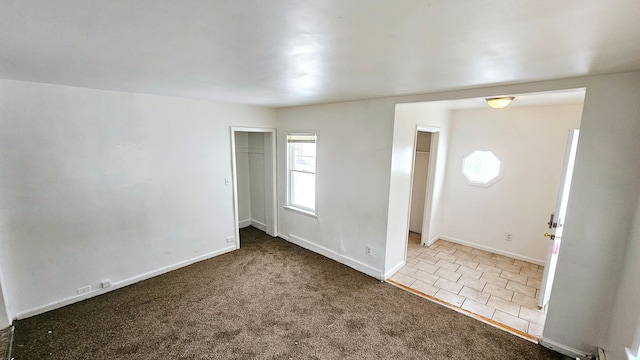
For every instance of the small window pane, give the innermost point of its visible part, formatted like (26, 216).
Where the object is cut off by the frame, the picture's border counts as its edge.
(304, 157)
(303, 192)
(481, 168)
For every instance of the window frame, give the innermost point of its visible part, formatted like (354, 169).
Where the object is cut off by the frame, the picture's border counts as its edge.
(289, 156)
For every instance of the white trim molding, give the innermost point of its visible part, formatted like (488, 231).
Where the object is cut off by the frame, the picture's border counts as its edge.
(259, 225)
(564, 349)
(120, 284)
(490, 249)
(394, 270)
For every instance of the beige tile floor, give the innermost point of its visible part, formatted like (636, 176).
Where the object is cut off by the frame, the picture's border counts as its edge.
(494, 286)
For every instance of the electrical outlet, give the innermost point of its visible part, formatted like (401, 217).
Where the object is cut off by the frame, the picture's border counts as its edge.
(508, 236)
(83, 290)
(105, 283)
(368, 250)
(230, 239)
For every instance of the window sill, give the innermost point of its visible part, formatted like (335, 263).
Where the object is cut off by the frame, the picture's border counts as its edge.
(306, 212)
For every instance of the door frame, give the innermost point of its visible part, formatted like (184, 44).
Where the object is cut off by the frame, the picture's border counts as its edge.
(431, 173)
(271, 205)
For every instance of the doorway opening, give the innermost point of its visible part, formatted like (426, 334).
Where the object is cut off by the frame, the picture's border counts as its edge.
(254, 179)
(420, 196)
(484, 253)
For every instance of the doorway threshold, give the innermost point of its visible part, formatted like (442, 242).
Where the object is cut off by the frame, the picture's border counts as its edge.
(454, 307)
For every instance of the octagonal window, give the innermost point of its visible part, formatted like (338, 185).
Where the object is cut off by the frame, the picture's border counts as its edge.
(481, 168)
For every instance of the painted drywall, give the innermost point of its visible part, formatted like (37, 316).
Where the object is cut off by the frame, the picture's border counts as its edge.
(243, 176)
(601, 209)
(106, 185)
(624, 330)
(353, 159)
(531, 144)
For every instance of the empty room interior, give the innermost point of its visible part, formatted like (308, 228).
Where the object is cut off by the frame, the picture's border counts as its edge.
(320, 179)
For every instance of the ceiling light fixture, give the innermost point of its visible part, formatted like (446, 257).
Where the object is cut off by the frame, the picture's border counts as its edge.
(499, 102)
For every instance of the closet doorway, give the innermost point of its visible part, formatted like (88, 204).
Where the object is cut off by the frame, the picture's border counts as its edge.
(419, 187)
(254, 183)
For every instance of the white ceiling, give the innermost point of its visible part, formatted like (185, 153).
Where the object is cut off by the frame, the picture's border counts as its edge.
(293, 52)
(545, 98)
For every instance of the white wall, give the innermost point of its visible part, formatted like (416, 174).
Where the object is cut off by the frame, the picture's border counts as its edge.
(624, 330)
(531, 143)
(601, 209)
(106, 185)
(353, 159)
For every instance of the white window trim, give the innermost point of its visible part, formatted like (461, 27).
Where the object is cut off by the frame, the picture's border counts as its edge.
(288, 205)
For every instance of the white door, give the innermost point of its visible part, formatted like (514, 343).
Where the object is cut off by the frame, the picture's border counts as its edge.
(556, 221)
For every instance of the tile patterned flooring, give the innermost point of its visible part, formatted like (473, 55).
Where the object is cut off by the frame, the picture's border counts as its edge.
(494, 286)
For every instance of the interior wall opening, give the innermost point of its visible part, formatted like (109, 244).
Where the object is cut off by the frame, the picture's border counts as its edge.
(254, 182)
(419, 186)
(486, 253)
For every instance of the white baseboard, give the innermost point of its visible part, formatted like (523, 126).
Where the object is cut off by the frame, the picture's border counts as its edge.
(250, 222)
(119, 284)
(352, 263)
(259, 225)
(565, 350)
(394, 270)
(432, 240)
(490, 249)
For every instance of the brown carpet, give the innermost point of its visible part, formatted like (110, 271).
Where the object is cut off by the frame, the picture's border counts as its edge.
(268, 300)
(5, 342)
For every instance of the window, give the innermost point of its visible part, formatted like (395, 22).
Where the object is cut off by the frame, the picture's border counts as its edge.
(301, 171)
(481, 168)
